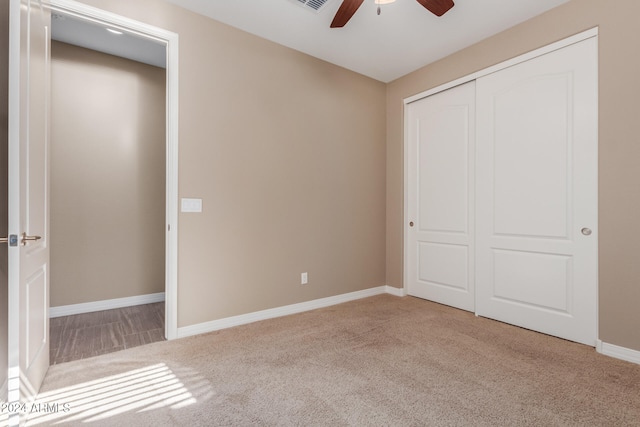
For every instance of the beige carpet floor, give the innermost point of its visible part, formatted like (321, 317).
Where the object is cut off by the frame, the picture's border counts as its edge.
(381, 361)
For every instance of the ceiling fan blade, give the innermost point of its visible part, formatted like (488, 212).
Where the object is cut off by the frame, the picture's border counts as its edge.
(345, 12)
(437, 7)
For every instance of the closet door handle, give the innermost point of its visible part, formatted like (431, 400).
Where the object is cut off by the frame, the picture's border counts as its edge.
(586, 231)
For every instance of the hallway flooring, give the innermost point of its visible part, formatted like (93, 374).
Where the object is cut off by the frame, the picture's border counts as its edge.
(91, 334)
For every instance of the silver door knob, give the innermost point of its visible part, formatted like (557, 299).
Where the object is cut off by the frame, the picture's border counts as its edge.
(586, 231)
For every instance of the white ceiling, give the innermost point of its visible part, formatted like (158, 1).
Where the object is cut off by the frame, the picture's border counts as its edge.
(403, 38)
(91, 35)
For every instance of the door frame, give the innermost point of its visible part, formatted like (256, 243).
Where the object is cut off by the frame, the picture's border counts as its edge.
(593, 32)
(170, 40)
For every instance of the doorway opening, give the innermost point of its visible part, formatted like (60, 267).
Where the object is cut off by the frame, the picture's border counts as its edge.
(135, 311)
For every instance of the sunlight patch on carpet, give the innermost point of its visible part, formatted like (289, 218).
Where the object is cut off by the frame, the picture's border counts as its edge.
(140, 390)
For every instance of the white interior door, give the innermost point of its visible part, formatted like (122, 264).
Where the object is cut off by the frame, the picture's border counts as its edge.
(536, 211)
(4, 198)
(440, 232)
(28, 197)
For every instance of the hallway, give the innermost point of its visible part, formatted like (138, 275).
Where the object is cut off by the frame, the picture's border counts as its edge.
(92, 334)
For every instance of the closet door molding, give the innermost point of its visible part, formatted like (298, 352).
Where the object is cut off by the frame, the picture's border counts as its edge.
(576, 38)
(574, 299)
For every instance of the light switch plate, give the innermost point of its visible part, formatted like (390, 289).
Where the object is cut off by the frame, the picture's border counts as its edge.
(191, 205)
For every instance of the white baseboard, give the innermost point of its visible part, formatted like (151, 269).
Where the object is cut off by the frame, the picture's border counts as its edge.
(286, 310)
(618, 352)
(398, 292)
(88, 307)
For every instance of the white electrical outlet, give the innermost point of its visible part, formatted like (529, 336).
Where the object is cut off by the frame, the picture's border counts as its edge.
(304, 278)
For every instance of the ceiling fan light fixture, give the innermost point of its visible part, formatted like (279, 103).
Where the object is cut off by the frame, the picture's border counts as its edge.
(349, 7)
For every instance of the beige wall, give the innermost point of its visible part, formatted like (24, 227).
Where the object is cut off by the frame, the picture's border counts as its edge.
(107, 177)
(4, 220)
(619, 150)
(287, 153)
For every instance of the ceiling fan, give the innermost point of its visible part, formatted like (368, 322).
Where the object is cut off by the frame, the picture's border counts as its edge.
(349, 7)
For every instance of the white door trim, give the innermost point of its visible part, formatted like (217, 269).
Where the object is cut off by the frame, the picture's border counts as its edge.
(170, 39)
(593, 32)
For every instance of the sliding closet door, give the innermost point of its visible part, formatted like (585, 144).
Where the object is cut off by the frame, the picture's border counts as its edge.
(440, 197)
(536, 210)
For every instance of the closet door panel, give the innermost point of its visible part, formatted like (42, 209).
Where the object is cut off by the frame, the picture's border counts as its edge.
(536, 183)
(440, 197)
